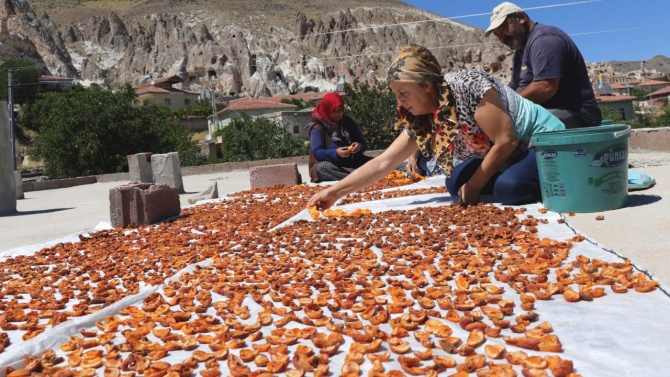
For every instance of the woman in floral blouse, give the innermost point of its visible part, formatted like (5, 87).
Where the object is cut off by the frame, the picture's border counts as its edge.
(467, 115)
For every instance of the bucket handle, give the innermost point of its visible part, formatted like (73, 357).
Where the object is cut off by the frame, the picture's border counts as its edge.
(618, 134)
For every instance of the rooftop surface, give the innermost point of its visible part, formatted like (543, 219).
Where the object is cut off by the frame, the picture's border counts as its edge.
(638, 232)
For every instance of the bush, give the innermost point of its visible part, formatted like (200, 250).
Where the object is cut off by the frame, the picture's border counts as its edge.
(248, 139)
(610, 114)
(374, 108)
(92, 131)
(664, 119)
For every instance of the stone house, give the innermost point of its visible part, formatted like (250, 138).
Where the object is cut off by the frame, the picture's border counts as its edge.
(162, 92)
(622, 105)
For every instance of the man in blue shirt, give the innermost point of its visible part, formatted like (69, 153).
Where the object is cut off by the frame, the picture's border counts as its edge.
(548, 68)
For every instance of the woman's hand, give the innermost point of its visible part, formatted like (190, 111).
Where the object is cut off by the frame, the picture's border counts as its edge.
(411, 167)
(355, 147)
(322, 200)
(468, 194)
(343, 152)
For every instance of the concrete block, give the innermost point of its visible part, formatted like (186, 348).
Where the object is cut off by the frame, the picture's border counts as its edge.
(142, 204)
(239, 165)
(167, 170)
(650, 140)
(41, 185)
(211, 193)
(139, 168)
(220, 168)
(277, 161)
(253, 164)
(28, 187)
(264, 176)
(19, 185)
(7, 179)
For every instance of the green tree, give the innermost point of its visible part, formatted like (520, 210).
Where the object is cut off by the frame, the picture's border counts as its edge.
(640, 94)
(248, 139)
(201, 108)
(643, 118)
(91, 131)
(374, 108)
(25, 76)
(608, 113)
(663, 120)
(299, 103)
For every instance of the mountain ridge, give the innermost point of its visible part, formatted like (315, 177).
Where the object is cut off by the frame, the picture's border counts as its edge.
(256, 56)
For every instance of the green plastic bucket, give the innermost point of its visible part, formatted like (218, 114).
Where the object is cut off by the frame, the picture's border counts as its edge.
(583, 169)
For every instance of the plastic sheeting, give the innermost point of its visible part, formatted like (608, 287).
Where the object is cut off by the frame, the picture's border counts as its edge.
(615, 335)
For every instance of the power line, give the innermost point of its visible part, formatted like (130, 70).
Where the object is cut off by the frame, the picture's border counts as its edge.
(617, 30)
(442, 19)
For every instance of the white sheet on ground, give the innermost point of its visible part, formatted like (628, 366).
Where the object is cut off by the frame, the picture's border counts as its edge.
(616, 335)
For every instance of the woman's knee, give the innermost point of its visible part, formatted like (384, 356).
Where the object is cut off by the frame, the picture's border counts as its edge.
(511, 191)
(451, 185)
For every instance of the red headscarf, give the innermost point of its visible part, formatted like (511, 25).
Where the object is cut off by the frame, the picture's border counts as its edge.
(325, 108)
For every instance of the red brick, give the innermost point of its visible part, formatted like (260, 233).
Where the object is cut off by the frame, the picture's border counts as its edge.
(142, 204)
(284, 174)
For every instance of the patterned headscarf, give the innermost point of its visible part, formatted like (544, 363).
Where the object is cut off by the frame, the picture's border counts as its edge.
(323, 113)
(435, 134)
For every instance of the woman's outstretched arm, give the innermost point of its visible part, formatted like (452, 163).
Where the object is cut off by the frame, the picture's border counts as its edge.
(367, 174)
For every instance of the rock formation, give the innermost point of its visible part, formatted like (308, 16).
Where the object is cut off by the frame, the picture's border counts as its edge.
(239, 58)
(25, 35)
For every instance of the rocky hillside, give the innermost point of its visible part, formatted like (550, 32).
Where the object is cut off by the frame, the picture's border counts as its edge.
(660, 63)
(253, 53)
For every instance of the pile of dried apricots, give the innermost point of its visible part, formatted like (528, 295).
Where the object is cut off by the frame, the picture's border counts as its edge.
(417, 292)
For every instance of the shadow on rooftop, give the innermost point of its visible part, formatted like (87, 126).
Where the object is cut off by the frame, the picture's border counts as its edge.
(39, 212)
(638, 200)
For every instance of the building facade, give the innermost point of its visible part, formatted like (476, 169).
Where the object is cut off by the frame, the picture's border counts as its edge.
(162, 92)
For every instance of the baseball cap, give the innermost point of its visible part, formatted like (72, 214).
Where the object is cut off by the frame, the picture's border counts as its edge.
(499, 15)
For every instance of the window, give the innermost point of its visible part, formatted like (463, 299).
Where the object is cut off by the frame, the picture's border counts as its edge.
(187, 101)
(296, 129)
(622, 112)
(168, 101)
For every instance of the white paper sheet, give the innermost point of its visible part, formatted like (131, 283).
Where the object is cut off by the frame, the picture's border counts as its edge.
(616, 335)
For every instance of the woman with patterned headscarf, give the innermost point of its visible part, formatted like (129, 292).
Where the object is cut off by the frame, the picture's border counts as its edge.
(467, 115)
(336, 143)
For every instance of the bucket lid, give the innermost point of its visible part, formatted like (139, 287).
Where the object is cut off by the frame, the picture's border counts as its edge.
(581, 135)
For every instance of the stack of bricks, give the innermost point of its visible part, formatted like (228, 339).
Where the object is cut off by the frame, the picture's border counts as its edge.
(142, 204)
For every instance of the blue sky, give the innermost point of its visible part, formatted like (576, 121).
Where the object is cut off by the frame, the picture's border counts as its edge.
(641, 44)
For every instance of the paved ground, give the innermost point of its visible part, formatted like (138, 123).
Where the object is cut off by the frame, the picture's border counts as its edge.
(641, 231)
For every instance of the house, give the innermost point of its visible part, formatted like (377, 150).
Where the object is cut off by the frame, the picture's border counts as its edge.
(622, 105)
(248, 105)
(659, 94)
(55, 84)
(162, 92)
(269, 107)
(622, 89)
(295, 121)
(653, 85)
